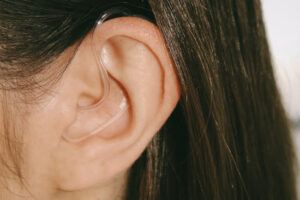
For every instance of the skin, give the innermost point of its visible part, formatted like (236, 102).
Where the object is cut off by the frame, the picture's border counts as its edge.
(138, 64)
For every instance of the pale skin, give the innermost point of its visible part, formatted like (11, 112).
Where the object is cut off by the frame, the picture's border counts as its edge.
(139, 64)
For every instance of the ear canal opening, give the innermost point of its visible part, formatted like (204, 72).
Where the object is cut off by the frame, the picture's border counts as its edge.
(113, 103)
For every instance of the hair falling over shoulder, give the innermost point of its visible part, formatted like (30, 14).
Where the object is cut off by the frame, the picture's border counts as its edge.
(228, 137)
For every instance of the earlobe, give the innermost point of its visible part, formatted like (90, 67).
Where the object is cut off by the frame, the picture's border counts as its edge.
(140, 69)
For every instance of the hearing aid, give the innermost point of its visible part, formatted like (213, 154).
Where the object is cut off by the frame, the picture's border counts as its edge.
(113, 103)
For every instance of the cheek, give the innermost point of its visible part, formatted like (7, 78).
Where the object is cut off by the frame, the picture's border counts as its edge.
(41, 130)
(34, 133)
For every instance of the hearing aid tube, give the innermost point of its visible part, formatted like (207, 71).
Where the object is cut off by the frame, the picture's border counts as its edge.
(108, 109)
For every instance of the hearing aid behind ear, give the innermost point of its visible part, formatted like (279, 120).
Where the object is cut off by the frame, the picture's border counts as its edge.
(113, 103)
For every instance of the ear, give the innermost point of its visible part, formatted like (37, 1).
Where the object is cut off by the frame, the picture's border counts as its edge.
(138, 64)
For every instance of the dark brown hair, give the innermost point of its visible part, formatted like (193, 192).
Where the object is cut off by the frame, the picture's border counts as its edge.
(228, 138)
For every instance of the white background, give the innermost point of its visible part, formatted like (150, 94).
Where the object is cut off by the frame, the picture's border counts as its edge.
(282, 20)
